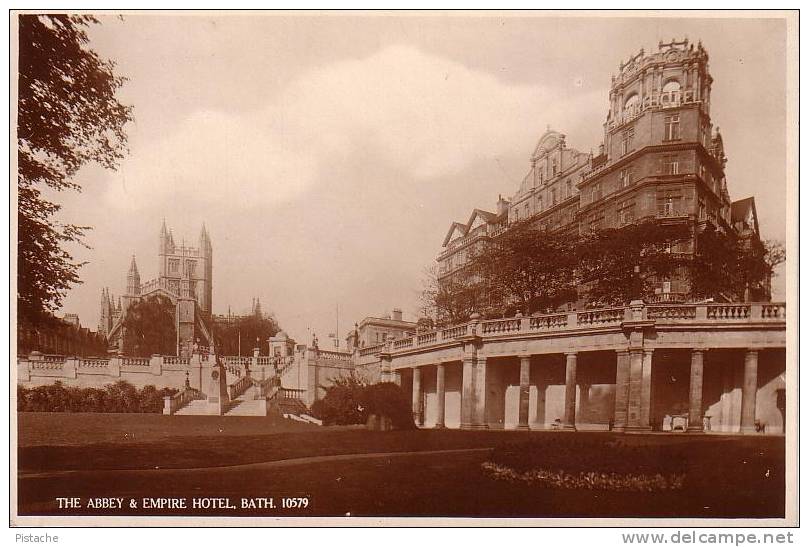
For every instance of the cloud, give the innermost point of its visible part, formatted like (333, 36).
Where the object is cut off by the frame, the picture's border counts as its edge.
(420, 113)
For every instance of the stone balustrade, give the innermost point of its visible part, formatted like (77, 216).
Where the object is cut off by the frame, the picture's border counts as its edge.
(239, 386)
(606, 318)
(173, 403)
(371, 350)
(453, 333)
(335, 355)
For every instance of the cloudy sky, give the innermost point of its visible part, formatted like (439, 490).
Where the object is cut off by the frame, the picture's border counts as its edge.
(328, 155)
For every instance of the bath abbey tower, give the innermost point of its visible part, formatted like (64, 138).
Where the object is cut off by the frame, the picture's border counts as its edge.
(184, 277)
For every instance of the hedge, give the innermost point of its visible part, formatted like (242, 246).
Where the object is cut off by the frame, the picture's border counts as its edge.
(118, 397)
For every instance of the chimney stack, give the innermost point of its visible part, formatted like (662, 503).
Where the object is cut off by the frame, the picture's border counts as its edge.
(397, 314)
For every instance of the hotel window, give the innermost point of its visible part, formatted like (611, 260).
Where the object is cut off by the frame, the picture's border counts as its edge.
(672, 124)
(626, 177)
(626, 212)
(626, 141)
(553, 196)
(539, 203)
(702, 209)
(671, 165)
(527, 210)
(569, 189)
(555, 166)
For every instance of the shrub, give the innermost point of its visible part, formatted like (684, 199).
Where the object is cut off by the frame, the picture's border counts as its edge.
(118, 397)
(350, 400)
(389, 399)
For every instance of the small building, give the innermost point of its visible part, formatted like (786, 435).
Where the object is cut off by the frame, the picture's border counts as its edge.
(373, 331)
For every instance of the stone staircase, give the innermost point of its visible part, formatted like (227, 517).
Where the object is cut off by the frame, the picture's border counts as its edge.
(195, 408)
(246, 404)
(250, 402)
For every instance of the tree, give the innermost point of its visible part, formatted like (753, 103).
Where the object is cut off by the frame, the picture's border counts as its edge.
(149, 327)
(67, 116)
(253, 331)
(714, 268)
(607, 260)
(734, 268)
(452, 299)
(528, 269)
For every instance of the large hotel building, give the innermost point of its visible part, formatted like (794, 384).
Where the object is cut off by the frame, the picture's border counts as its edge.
(660, 158)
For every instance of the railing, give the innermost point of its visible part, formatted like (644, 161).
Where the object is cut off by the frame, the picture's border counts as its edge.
(548, 322)
(264, 388)
(239, 386)
(672, 312)
(600, 317)
(334, 355)
(371, 350)
(49, 362)
(453, 333)
(402, 343)
(501, 325)
(668, 298)
(597, 318)
(135, 361)
(235, 370)
(176, 360)
(173, 403)
(287, 393)
(236, 360)
(728, 311)
(773, 311)
(94, 363)
(426, 338)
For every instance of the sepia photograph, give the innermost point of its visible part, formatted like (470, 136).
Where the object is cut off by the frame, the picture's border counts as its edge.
(404, 268)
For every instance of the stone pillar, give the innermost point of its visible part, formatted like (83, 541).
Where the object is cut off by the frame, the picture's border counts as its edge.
(467, 392)
(570, 391)
(749, 388)
(479, 416)
(633, 419)
(525, 390)
(156, 364)
(646, 390)
(417, 395)
(440, 389)
(621, 390)
(695, 391)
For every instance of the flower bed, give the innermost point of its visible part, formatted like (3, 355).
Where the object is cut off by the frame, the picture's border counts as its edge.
(608, 462)
(587, 480)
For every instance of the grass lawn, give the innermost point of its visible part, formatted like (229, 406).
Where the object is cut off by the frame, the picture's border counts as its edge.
(132, 456)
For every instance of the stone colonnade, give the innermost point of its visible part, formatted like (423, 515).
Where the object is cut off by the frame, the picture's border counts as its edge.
(632, 409)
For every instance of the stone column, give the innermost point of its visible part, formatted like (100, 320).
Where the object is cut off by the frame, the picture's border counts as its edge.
(570, 391)
(467, 392)
(749, 388)
(417, 395)
(695, 391)
(479, 417)
(621, 390)
(440, 378)
(633, 419)
(646, 390)
(525, 390)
